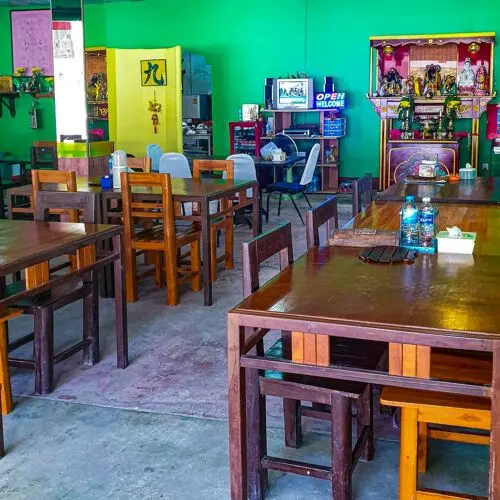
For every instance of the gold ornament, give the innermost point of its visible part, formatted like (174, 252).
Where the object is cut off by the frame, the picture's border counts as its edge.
(474, 48)
(388, 50)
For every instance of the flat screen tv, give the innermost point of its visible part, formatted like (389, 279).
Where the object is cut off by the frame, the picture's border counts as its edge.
(294, 93)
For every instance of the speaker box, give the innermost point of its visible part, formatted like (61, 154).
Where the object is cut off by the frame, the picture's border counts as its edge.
(329, 86)
(268, 90)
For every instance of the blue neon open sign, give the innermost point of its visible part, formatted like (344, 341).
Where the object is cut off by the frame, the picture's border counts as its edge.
(329, 100)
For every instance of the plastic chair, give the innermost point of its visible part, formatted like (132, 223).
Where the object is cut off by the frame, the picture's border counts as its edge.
(176, 165)
(244, 170)
(154, 152)
(294, 188)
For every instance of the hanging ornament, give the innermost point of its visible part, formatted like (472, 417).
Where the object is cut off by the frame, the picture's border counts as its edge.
(474, 49)
(388, 51)
(33, 115)
(155, 108)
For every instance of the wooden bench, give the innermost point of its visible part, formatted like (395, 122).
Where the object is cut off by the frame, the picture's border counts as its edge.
(423, 407)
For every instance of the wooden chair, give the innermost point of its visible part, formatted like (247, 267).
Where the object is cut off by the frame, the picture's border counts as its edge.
(165, 240)
(41, 177)
(321, 215)
(44, 157)
(425, 407)
(226, 222)
(6, 403)
(43, 306)
(362, 193)
(45, 144)
(142, 164)
(331, 399)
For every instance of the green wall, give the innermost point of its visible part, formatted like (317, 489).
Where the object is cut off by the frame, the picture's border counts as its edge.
(248, 41)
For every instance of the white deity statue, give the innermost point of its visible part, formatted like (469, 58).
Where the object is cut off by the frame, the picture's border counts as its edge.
(466, 79)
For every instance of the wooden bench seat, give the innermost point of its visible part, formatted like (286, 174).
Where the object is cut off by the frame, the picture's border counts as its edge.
(427, 407)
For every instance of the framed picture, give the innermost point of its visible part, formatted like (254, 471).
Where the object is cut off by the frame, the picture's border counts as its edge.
(31, 32)
(6, 84)
(154, 73)
(250, 112)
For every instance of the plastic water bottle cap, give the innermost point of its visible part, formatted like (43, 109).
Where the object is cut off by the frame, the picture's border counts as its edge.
(410, 198)
(426, 200)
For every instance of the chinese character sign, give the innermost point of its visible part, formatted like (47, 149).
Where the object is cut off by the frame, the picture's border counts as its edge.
(154, 73)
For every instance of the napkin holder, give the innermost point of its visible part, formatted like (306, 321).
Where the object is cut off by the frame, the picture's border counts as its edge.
(279, 155)
(453, 241)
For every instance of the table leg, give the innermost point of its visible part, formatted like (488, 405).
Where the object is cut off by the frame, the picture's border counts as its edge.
(9, 205)
(341, 419)
(205, 237)
(237, 410)
(2, 201)
(120, 306)
(106, 283)
(256, 211)
(44, 363)
(22, 174)
(494, 487)
(85, 257)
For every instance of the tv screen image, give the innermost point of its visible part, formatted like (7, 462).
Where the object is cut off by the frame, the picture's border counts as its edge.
(293, 93)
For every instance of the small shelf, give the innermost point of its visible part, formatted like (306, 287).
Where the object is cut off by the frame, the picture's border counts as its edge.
(103, 101)
(7, 100)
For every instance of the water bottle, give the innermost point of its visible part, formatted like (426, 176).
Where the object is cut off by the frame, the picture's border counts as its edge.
(426, 224)
(409, 223)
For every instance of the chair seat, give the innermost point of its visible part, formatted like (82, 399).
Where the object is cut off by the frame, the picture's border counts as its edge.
(285, 187)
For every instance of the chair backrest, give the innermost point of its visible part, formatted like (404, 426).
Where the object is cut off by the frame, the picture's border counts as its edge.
(286, 143)
(244, 167)
(362, 193)
(263, 247)
(140, 163)
(224, 166)
(40, 177)
(176, 165)
(318, 216)
(308, 174)
(86, 203)
(137, 210)
(45, 156)
(154, 152)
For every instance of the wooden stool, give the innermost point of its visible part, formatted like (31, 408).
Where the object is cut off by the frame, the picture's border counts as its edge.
(464, 366)
(5, 390)
(334, 395)
(425, 407)
(43, 306)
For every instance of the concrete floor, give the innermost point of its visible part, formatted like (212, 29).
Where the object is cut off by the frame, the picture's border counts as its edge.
(158, 429)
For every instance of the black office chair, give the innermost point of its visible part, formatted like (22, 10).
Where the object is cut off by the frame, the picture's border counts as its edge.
(294, 188)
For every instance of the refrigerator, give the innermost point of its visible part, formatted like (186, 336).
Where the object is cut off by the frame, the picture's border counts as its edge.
(196, 107)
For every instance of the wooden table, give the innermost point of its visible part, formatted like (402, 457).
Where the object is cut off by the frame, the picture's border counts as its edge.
(184, 190)
(28, 246)
(483, 190)
(444, 301)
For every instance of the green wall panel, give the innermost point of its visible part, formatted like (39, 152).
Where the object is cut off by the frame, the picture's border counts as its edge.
(247, 41)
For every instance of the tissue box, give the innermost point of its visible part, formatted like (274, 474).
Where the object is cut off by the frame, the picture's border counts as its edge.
(448, 244)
